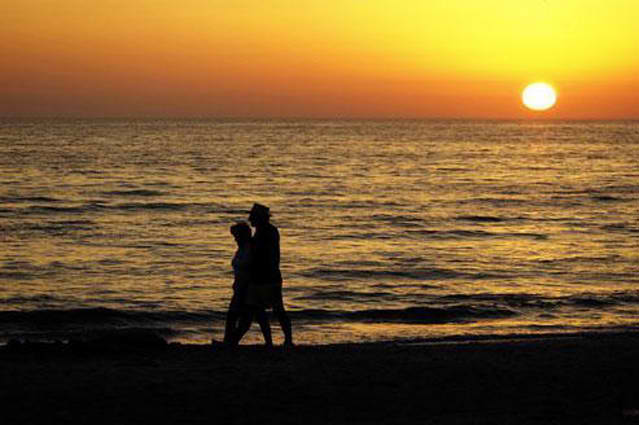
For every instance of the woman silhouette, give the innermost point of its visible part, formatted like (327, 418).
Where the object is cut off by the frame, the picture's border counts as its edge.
(243, 274)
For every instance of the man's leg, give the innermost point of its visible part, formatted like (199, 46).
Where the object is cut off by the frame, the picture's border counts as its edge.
(282, 317)
(265, 326)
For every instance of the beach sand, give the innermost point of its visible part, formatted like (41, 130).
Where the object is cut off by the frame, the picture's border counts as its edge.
(584, 379)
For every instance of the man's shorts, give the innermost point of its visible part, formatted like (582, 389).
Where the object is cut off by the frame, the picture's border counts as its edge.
(265, 296)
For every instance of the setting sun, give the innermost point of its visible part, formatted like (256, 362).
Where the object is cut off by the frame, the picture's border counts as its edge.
(539, 96)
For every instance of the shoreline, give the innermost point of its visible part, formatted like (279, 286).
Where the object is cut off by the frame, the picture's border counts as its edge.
(579, 379)
(139, 337)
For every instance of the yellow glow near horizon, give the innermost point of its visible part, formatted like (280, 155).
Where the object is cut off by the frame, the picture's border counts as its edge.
(381, 58)
(539, 96)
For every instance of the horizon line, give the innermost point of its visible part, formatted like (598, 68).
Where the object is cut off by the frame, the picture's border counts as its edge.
(303, 118)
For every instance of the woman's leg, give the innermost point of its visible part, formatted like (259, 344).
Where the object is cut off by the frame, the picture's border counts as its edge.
(230, 327)
(246, 319)
(232, 317)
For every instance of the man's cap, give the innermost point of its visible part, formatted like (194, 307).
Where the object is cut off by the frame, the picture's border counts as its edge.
(260, 210)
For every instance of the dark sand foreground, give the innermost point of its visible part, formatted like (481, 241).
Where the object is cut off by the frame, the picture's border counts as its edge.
(586, 379)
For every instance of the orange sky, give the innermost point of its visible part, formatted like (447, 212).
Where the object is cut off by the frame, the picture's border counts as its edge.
(311, 58)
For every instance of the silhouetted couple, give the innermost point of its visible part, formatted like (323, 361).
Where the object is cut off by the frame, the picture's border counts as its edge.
(257, 285)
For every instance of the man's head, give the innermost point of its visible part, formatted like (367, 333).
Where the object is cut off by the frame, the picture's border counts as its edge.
(259, 214)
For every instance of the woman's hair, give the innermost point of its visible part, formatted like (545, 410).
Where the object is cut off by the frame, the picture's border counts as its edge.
(241, 230)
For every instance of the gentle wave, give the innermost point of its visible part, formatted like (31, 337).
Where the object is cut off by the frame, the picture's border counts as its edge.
(135, 192)
(428, 315)
(459, 306)
(48, 324)
(520, 301)
(99, 206)
(102, 315)
(475, 234)
(480, 219)
(84, 317)
(413, 274)
(27, 199)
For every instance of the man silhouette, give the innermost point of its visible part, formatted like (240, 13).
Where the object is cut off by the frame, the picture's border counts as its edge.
(266, 277)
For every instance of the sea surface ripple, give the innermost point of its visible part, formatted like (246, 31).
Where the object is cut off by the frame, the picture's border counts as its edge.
(391, 230)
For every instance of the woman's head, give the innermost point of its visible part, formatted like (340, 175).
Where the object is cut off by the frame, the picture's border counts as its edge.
(241, 232)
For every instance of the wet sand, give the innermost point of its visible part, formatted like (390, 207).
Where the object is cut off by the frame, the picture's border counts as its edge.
(586, 379)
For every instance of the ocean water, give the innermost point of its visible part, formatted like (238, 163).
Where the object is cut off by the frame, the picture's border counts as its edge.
(391, 230)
